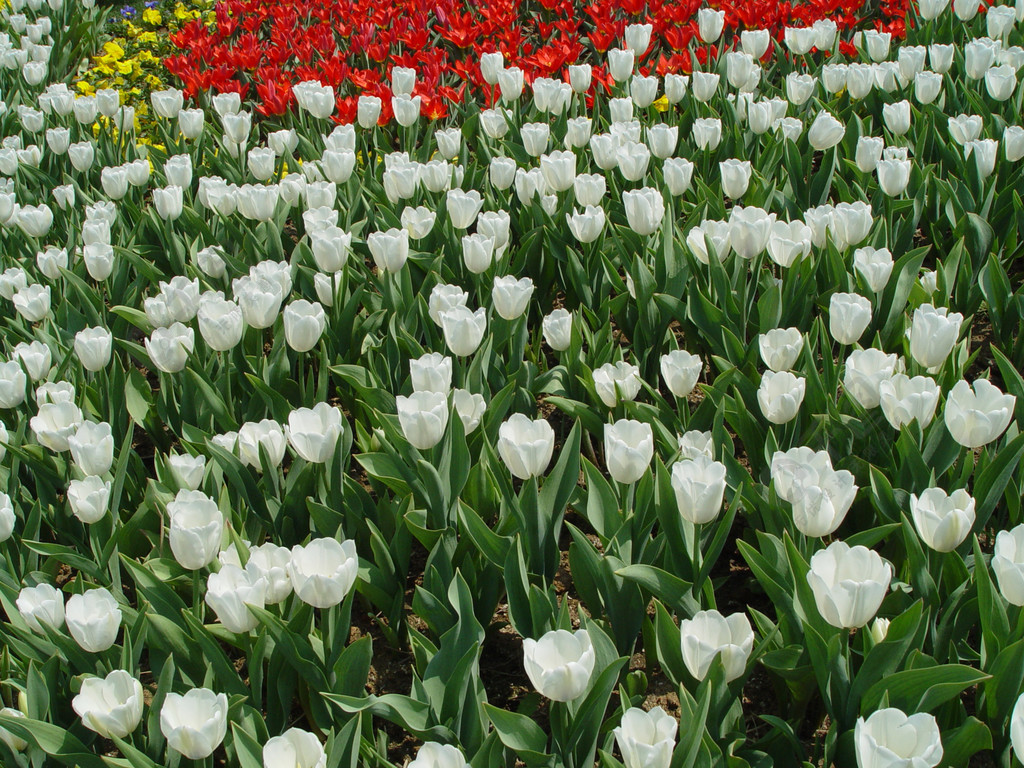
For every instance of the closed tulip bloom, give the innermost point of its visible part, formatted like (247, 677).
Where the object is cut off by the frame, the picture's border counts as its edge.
(707, 132)
(168, 202)
(1013, 143)
(866, 369)
(788, 242)
(463, 329)
(678, 175)
(587, 226)
(985, 153)
(324, 571)
(800, 40)
(780, 348)
(680, 370)
(646, 739)
(230, 591)
(304, 324)
(92, 447)
(943, 521)
(645, 209)
(16, 743)
(904, 399)
(557, 329)
(710, 24)
(444, 297)
(431, 373)
(821, 497)
(169, 348)
(710, 635)
(628, 449)
(1008, 566)
(313, 432)
(589, 189)
(927, 87)
(89, 498)
(869, 152)
(194, 724)
(418, 222)
(890, 738)
(55, 424)
(470, 407)
(55, 392)
(35, 357)
(897, 117)
(511, 297)
(616, 382)
(295, 748)
(463, 207)
(187, 470)
(7, 517)
(620, 64)
(799, 88)
(196, 527)
(331, 247)
(265, 436)
(1001, 81)
(977, 414)
(848, 584)
(389, 249)
(111, 705)
(560, 664)
(526, 445)
(874, 265)
(559, 170)
(633, 159)
(271, 563)
(423, 417)
(749, 230)
(735, 175)
(780, 396)
(933, 333)
(93, 347)
(221, 323)
(93, 619)
(33, 302)
(848, 315)
(825, 132)
(662, 140)
(699, 485)
(964, 128)
(851, 223)
(41, 605)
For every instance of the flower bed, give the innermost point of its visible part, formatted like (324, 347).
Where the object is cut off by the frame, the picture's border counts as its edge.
(574, 391)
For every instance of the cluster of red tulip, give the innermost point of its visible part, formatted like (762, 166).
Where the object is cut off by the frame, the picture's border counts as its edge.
(261, 48)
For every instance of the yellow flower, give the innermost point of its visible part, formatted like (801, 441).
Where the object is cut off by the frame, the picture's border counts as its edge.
(147, 38)
(147, 57)
(661, 104)
(113, 50)
(124, 67)
(85, 88)
(152, 16)
(180, 13)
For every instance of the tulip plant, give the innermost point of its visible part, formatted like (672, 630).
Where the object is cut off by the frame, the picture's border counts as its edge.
(625, 384)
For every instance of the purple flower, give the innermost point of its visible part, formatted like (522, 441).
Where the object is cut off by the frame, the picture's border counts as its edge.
(152, 3)
(128, 11)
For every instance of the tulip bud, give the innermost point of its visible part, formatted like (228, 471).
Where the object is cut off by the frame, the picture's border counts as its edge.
(780, 348)
(849, 315)
(557, 329)
(389, 249)
(194, 724)
(889, 738)
(710, 24)
(780, 396)
(93, 619)
(110, 706)
(423, 417)
(646, 739)
(825, 132)
(628, 449)
(324, 571)
(1008, 566)
(196, 527)
(525, 445)
(560, 664)
(470, 407)
(977, 414)
(699, 485)
(187, 470)
(616, 382)
(735, 176)
(710, 635)
(848, 584)
(463, 329)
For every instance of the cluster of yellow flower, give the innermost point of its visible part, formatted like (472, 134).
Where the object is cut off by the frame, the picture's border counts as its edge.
(131, 59)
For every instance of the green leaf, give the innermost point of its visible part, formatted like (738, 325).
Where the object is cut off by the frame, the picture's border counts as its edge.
(922, 689)
(520, 734)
